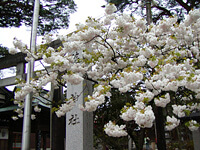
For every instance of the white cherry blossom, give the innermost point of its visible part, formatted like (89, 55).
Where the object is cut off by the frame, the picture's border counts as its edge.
(115, 130)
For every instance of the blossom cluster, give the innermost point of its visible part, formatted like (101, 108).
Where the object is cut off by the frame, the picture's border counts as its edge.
(97, 98)
(115, 130)
(193, 125)
(126, 80)
(179, 110)
(141, 114)
(162, 101)
(171, 123)
(64, 108)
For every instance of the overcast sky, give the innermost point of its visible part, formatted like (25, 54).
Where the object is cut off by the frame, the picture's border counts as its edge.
(85, 8)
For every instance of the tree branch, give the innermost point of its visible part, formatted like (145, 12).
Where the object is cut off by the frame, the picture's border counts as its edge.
(165, 11)
(184, 5)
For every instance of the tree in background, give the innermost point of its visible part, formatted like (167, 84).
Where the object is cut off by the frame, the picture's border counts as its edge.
(54, 14)
(3, 51)
(160, 8)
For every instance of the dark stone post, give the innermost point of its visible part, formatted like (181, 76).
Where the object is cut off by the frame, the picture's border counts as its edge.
(58, 124)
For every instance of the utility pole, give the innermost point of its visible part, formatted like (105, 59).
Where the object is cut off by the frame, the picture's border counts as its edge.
(28, 101)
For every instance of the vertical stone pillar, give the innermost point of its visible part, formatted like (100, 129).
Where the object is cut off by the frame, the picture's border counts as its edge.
(20, 68)
(196, 139)
(79, 124)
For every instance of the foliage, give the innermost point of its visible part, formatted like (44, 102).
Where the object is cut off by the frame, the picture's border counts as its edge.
(110, 110)
(160, 8)
(180, 138)
(158, 63)
(3, 51)
(54, 14)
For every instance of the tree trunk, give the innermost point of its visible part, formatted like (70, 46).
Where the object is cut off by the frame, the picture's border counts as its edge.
(148, 12)
(160, 131)
(137, 137)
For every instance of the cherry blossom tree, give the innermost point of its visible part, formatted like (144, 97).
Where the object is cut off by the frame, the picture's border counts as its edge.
(160, 62)
(160, 8)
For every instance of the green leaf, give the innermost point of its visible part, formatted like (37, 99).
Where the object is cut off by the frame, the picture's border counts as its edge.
(180, 78)
(54, 109)
(187, 112)
(146, 100)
